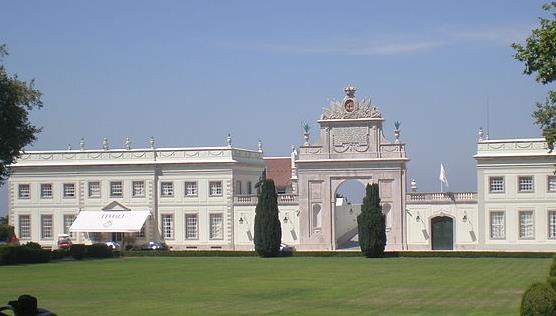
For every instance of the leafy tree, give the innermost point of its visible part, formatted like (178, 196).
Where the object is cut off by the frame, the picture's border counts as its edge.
(268, 232)
(539, 57)
(7, 233)
(371, 224)
(17, 98)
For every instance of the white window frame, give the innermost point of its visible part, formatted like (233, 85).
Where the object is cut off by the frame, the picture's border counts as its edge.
(68, 222)
(491, 225)
(167, 228)
(66, 191)
(548, 187)
(113, 185)
(45, 228)
(218, 189)
(138, 189)
(191, 188)
(167, 189)
(24, 231)
(90, 193)
(213, 229)
(20, 192)
(249, 188)
(189, 235)
(44, 190)
(490, 179)
(526, 230)
(523, 187)
(551, 223)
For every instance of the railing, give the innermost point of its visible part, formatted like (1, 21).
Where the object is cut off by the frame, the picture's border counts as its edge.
(150, 156)
(442, 197)
(507, 147)
(252, 199)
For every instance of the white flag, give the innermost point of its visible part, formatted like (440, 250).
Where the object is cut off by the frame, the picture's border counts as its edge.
(443, 177)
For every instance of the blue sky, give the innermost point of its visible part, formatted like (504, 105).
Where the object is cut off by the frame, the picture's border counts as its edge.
(188, 73)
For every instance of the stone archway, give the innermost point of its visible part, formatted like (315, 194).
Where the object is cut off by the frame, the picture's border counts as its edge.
(347, 201)
(351, 145)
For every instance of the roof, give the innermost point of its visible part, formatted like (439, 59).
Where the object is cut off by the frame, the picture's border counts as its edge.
(279, 169)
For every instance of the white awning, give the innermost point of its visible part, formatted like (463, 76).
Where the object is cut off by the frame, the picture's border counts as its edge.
(110, 221)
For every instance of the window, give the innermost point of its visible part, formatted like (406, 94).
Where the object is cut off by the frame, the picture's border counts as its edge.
(68, 220)
(116, 189)
(249, 188)
(215, 188)
(526, 184)
(138, 188)
(167, 226)
(526, 225)
(497, 225)
(551, 183)
(191, 226)
(191, 188)
(24, 191)
(46, 190)
(24, 226)
(238, 187)
(94, 189)
(216, 226)
(46, 227)
(167, 189)
(69, 190)
(95, 236)
(552, 224)
(496, 184)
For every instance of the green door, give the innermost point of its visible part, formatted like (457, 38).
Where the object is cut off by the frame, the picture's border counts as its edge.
(442, 233)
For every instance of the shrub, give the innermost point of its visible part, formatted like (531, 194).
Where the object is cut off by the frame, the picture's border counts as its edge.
(77, 251)
(32, 245)
(268, 233)
(539, 300)
(58, 254)
(552, 274)
(23, 254)
(371, 224)
(98, 251)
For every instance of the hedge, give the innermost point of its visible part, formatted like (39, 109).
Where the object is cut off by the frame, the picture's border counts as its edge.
(539, 300)
(388, 254)
(190, 253)
(23, 254)
(80, 251)
(98, 251)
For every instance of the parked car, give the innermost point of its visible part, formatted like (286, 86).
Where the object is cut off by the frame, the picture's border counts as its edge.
(154, 245)
(64, 241)
(113, 244)
(286, 250)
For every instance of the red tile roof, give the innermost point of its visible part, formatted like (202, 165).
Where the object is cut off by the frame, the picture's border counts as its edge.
(279, 170)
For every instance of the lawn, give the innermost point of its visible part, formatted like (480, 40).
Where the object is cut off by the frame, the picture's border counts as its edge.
(255, 286)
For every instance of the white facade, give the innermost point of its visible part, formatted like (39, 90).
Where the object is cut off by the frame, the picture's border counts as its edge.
(517, 194)
(204, 198)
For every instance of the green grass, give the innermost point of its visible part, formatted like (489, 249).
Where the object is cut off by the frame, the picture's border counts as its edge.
(255, 286)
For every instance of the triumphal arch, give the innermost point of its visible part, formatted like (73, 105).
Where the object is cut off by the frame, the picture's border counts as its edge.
(351, 145)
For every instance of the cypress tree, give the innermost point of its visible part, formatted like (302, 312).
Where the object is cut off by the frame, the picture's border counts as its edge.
(268, 232)
(371, 224)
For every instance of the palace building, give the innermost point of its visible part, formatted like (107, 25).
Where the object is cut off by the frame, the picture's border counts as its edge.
(205, 198)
